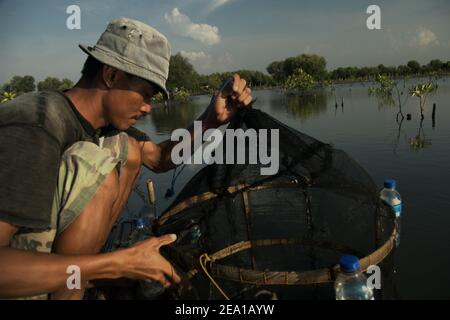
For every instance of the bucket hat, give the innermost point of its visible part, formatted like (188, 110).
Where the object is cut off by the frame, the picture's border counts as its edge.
(135, 48)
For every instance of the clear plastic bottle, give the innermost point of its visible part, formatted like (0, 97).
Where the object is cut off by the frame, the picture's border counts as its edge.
(351, 284)
(148, 289)
(141, 231)
(391, 196)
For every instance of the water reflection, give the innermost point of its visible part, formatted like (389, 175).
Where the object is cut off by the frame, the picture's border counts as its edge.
(399, 121)
(419, 141)
(181, 115)
(300, 106)
(369, 135)
(332, 94)
(384, 101)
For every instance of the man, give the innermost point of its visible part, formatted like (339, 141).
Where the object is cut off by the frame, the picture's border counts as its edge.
(62, 186)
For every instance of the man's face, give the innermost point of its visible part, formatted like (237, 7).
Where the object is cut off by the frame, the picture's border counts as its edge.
(127, 100)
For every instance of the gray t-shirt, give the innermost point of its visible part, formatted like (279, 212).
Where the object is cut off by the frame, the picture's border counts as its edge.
(35, 130)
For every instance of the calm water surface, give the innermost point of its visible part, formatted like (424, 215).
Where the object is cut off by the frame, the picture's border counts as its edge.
(366, 128)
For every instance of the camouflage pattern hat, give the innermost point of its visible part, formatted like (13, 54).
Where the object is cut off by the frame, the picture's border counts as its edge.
(135, 48)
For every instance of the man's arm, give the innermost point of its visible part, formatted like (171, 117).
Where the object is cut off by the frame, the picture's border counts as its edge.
(157, 157)
(25, 273)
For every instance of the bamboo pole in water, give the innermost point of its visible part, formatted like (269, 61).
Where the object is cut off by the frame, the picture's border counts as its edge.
(151, 191)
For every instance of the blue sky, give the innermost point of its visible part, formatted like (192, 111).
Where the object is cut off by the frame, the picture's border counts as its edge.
(221, 35)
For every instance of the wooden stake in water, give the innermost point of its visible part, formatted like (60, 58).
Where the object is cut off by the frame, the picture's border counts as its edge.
(433, 115)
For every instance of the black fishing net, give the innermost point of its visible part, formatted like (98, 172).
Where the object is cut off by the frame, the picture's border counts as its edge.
(320, 196)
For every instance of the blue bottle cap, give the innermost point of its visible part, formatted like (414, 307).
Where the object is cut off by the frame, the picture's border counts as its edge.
(349, 263)
(390, 184)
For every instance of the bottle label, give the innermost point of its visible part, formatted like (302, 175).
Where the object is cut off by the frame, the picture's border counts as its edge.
(397, 209)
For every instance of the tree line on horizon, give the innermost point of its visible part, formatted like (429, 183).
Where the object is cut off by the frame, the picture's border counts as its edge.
(315, 66)
(312, 67)
(19, 85)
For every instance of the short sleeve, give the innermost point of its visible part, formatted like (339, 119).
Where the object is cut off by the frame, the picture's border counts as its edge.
(29, 160)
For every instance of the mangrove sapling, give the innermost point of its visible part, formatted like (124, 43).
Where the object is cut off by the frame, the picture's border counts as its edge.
(7, 96)
(421, 90)
(383, 86)
(399, 131)
(400, 102)
(300, 81)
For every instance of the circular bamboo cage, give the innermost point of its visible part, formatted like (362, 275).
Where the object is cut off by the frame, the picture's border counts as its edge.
(241, 233)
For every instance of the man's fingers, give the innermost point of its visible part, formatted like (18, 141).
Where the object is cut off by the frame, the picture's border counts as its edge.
(170, 272)
(236, 80)
(166, 267)
(247, 101)
(240, 87)
(237, 89)
(245, 94)
(165, 240)
(162, 279)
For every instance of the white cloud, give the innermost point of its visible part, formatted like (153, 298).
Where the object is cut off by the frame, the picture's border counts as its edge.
(182, 25)
(424, 38)
(205, 63)
(193, 56)
(214, 4)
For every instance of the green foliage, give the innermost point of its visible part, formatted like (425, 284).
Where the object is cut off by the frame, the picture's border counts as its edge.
(275, 69)
(20, 85)
(158, 97)
(7, 96)
(182, 74)
(300, 80)
(414, 66)
(388, 93)
(435, 65)
(51, 83)
(384, 86)
(421, 90)
(181, 94)
(212, 82)
(403, 70)
(312, 64)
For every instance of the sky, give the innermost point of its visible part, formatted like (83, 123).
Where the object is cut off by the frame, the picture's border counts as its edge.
(227, 35)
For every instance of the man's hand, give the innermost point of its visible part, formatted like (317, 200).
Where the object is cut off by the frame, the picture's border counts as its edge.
(26, 273)
(235, 95)
(157, 157)
(144, 261)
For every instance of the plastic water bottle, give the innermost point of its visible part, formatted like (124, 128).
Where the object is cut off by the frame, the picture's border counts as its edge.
(390, 195)
(149, 289)
(141, 230)
(351, 284)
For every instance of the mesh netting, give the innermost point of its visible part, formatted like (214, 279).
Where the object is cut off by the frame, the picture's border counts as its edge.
(320, 200)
